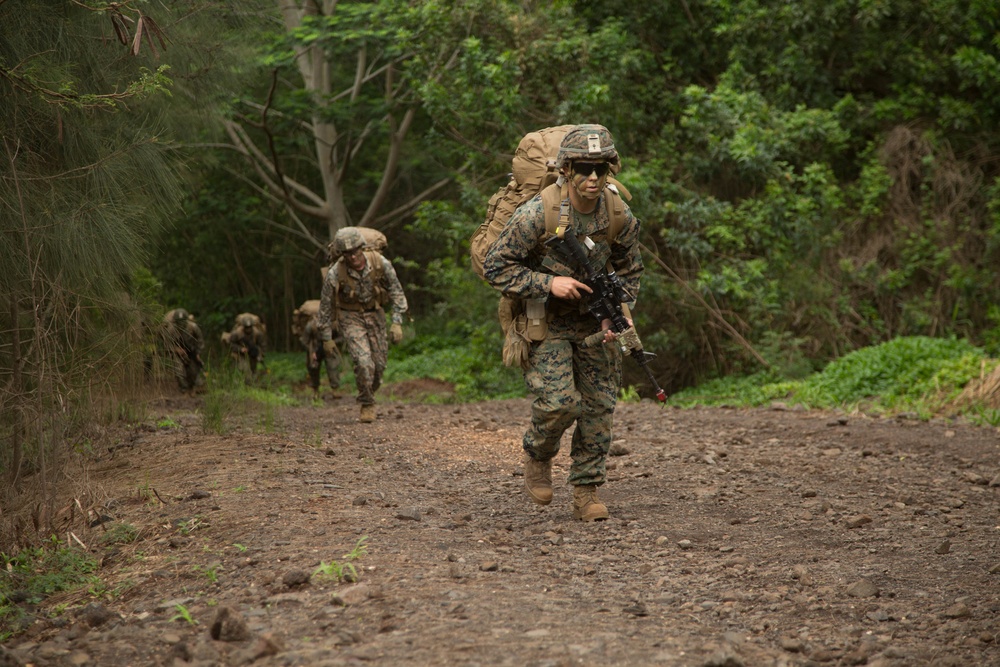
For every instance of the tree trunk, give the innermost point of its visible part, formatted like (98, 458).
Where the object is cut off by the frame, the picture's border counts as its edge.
(16, 392)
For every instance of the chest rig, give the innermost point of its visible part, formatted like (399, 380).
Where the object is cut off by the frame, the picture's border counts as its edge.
(352, 295)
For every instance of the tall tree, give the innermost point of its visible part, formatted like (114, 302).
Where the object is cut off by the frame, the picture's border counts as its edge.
(344, 92)
(88, 173)
(80, 179)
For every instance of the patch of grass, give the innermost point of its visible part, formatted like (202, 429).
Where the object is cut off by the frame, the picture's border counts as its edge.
(188, 526)
(266, 419)
(343, 571)
(167, 423)
(210, 572)
(183, 614)
(470, 363)
(121, 533)
(286, 367)
(747, 391)
(230, 399)
(468, 360)
(984, 416)
(33, 574)
(910, 374)
(628, 394)
(145, 491)
(214, 408)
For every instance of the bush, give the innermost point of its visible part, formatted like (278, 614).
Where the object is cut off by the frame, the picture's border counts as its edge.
(909, 374)
(901, 372)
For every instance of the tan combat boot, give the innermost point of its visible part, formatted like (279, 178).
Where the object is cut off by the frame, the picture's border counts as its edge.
(586, 505)
(367, 414)
(538, 479)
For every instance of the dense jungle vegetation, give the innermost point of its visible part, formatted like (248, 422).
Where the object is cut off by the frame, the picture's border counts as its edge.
(814, 178)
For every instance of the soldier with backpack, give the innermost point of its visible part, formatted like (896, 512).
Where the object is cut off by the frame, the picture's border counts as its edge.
(305, 325)
(246, 343)
(357, 287)
(183, 343)
(568, 367)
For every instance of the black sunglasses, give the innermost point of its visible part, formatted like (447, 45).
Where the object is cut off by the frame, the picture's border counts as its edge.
(588, 168)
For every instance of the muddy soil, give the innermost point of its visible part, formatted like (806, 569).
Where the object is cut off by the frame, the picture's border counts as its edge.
(737, 538)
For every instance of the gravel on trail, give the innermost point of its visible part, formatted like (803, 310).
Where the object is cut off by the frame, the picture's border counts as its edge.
(768, 536)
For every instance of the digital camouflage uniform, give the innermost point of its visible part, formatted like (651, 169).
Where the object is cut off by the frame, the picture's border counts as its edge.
(183, 343)
(361, 318)
(570, 382)
(246, 343)
(312, 340)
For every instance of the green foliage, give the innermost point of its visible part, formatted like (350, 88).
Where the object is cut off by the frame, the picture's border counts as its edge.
(35, 573)
(909, 374)
(628, 395)
(230, 399)
(469, 359)
(816, 177)
(209, 572)
(747, 391)
(214, 407)
(346, 570)
(188, 526)
(183, 614)
(904, 371)
(166, 423)
(121, 533)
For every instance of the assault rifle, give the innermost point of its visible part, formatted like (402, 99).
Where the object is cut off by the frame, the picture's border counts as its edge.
(605, 303)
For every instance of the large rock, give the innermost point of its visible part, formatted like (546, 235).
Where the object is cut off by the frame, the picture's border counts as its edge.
(229, 626)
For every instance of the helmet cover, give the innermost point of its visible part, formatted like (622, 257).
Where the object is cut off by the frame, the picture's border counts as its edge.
(347, 240)
(587, 142)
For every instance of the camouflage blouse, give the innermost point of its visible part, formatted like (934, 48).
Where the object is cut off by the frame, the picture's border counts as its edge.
(366, 290)
(516, 262)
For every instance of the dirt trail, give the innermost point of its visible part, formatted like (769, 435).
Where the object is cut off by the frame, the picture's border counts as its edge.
(737, 537)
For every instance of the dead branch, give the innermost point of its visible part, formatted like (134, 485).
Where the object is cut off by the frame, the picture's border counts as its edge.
(713, 311)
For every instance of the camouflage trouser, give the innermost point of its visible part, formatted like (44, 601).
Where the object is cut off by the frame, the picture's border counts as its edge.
(332, 362)
(571, 383)
(188, 373)
(364, 334)
(247, 364)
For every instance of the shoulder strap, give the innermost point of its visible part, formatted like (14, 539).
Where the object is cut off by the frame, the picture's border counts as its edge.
(552, 198)
(616, 211)
(374, 259)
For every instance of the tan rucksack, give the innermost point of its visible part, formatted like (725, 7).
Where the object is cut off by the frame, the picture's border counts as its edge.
(533, 171)
(374, 240)
(301, 315)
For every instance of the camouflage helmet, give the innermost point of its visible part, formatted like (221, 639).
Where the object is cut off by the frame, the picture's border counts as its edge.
(346, 240)
(587, 142)
(247, 321)
(180, 315)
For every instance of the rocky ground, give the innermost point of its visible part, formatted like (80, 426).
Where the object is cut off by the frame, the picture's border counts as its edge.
(737, 538)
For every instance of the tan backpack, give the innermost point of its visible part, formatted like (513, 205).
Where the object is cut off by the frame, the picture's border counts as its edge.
(533, 171)
(374, 240)
(301, 316)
